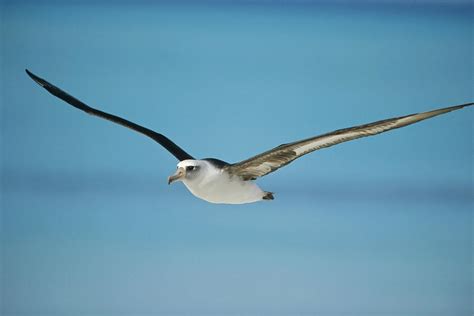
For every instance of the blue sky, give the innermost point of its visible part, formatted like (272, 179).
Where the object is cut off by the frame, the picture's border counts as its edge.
(379, 225)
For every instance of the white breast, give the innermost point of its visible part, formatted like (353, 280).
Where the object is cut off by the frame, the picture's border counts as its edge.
(217, 186)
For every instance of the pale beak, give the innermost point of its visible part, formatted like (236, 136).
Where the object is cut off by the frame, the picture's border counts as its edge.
(180, 173)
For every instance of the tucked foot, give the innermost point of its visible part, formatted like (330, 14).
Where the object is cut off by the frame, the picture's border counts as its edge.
(268, 196)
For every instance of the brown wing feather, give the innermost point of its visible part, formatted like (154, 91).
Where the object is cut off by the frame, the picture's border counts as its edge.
(282, 155)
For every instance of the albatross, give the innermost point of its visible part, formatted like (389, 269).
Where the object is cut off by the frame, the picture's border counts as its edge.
(217, 181)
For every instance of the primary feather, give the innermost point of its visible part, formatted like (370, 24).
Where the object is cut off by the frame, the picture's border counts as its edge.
(273, 159)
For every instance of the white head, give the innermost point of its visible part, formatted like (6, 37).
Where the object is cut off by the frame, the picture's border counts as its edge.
(188, 170)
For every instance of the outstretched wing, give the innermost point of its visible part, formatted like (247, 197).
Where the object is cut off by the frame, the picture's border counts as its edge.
(282, 155)
(164, 141)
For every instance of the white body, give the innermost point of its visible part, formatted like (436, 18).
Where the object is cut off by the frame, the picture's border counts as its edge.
(217, 186)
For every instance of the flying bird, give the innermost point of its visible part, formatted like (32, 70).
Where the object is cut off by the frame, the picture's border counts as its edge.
(217, 181)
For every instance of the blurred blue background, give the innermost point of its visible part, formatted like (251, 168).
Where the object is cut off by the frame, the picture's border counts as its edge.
(381, 225)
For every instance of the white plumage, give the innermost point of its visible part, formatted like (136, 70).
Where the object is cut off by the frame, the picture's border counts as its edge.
(216, 185)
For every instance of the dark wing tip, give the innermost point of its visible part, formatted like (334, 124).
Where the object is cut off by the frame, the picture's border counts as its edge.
(57, 92)
(37, 79)
(467, 104)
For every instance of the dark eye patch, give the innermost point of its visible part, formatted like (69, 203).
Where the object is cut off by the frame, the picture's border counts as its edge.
(190, 168)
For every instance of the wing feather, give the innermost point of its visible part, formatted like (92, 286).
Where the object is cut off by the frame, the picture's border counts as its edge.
(161, 139)
(271, 160)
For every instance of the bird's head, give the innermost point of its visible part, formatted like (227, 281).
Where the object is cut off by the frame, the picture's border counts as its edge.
(187, 170)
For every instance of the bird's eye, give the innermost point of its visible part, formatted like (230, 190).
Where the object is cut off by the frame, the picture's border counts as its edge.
(189, 168)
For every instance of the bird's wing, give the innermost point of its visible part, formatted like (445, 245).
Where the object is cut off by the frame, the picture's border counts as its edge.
(282, 155)
(164, 141)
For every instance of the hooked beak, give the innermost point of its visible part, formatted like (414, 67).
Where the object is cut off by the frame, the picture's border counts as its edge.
(180, 173)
